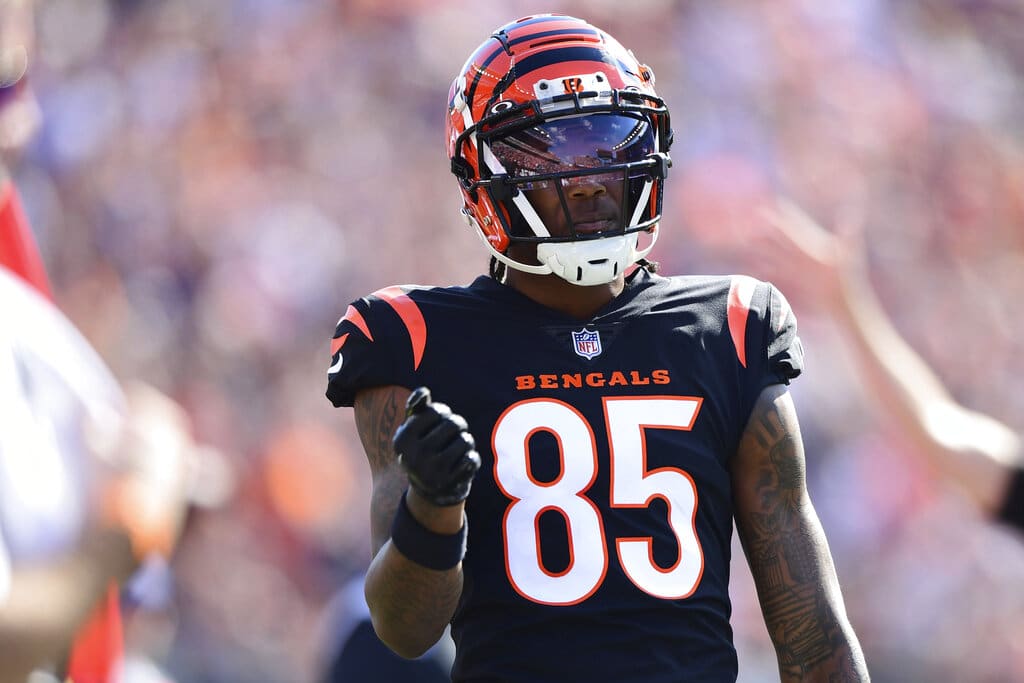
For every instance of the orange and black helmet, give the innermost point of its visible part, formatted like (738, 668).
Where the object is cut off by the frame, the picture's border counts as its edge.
(545, 100)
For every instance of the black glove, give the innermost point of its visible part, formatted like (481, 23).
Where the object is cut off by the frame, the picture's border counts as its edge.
(436, 450)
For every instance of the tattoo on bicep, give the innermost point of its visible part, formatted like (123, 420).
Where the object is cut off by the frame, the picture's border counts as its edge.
(784, 551)
(786, 471)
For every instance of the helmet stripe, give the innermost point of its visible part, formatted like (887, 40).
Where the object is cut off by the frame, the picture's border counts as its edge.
(543, 19)
(539, 61)
(561, 55)
(480, 71)
(507, 40)
(557, 32)
(510, 42)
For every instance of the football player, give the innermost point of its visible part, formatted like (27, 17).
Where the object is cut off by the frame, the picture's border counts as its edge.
(92, 480)
(560, 449)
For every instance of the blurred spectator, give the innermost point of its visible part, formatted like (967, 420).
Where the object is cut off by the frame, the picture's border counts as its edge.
(91, 481)
(973, 451)
(90, 484)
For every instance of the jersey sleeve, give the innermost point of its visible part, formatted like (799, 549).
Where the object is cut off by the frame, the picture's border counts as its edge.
(784, 352)
(764, 332)
(378, 342)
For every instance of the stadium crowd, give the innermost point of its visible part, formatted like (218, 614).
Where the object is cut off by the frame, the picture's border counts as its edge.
(215, 180)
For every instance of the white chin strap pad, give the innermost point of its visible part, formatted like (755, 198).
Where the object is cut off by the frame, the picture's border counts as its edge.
(593, 262)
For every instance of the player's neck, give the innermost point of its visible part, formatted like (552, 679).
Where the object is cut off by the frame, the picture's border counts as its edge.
(555, 293)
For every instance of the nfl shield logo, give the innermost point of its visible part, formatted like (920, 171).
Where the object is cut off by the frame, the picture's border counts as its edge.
(586, 343)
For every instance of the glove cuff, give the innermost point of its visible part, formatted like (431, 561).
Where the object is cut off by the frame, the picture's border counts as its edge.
(432, 550)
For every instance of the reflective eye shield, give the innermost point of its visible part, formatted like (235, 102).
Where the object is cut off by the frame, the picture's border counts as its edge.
(500, 121)
(575, 143)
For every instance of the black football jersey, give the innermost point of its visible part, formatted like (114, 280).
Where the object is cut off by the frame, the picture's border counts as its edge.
(600, 522)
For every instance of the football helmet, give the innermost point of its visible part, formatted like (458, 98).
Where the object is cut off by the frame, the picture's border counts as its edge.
(550, 102)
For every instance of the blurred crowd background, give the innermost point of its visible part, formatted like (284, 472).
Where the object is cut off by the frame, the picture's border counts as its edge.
(215, 181)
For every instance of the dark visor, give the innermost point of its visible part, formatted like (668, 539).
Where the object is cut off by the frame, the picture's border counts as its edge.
(575, 143)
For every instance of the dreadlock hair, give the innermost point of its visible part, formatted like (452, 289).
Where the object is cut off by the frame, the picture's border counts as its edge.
(498, 270)
(650, 266)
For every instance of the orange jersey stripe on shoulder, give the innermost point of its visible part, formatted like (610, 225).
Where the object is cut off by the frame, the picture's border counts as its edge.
(741, 293)
(411, 316)
(337, 343)
(356, 318)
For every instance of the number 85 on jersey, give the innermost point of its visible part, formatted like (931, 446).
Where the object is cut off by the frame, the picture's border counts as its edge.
(632, 486)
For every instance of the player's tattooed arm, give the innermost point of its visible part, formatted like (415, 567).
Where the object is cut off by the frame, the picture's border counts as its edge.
(410, 605)
(787, 551)
(378, 413)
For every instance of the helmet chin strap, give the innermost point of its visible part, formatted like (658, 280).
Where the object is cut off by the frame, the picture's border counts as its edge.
(588, 263)
(510, 262)
(593, 262)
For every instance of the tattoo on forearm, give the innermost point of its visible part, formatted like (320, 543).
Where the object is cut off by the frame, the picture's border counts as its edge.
(378, 415)
(785, 555)
(382, 417)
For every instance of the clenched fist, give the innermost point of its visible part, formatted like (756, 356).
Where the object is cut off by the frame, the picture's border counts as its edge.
(436, 450)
